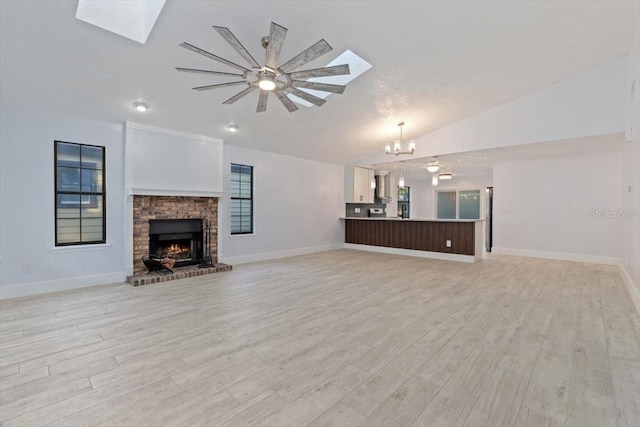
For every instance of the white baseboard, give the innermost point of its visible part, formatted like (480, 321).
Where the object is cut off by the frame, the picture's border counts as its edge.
(266, 256)
(411, 252)
(634, 292)
(37, 288)
(562, 256)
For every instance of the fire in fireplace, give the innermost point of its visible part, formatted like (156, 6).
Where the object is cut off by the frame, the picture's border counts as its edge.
(179, 238)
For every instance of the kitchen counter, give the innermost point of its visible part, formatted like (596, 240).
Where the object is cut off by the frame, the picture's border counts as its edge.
(396, 218)
(457, 240)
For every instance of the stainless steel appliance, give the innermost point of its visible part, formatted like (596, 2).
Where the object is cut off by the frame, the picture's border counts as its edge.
(376, 213)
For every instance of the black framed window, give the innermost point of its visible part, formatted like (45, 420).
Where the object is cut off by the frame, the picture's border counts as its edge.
(80, 210)
(241, 199)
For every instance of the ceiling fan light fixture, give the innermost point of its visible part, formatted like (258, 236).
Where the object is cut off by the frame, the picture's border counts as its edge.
(267, 82)
(445, 176)
(433, 167)
(264, 76)
(233, 128)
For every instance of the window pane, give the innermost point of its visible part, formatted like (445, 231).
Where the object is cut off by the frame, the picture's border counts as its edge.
(91, 157)
(235, 189)
(446, 205)
(68, 152)
(68, 218)
(91, 180)
(470, 204)
(68, 178)
(91, 219)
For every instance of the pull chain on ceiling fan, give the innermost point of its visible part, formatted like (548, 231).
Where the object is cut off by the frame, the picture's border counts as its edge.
(271, 78)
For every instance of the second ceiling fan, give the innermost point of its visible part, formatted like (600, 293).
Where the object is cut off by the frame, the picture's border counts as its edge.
(279, 79)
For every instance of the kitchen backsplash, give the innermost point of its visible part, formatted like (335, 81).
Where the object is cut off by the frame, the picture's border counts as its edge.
(364, 209)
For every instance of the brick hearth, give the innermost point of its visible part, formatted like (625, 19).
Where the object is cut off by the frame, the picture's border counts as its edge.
(147, 208)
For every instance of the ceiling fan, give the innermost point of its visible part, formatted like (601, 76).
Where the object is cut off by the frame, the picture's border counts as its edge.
(279, 79)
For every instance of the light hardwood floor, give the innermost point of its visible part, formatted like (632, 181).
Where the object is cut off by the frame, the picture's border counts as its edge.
(342, 338)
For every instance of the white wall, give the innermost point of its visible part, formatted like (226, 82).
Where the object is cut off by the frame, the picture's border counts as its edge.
(545, 207)
(164, 162)
(631, 169)
(297, 206)
(27, 205)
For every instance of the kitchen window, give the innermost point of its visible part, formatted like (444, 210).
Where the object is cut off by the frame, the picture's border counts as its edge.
(80, 208)
(241, 199)
(458, 204)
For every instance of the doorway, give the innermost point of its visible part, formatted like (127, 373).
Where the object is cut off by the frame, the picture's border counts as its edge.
(489, 220)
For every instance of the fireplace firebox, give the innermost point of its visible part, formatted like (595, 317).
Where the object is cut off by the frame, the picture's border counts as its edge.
(178, 238)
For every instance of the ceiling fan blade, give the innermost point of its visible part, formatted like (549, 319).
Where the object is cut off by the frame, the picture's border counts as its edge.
(338, 70)
(306, 96)
(324, 87)
(289, 104)
(214, 57)
(239, 95)
(235, 43)
(309, 54)
(262, 101)
(277, 34)
(216, 73)
(216, 86)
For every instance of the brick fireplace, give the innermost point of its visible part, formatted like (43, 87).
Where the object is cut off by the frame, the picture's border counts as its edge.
(153, 208)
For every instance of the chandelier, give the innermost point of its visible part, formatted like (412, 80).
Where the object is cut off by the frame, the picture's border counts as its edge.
(397, 146)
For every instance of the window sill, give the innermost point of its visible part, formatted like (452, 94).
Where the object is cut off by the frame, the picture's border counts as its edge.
(233, 236)
(80, 248)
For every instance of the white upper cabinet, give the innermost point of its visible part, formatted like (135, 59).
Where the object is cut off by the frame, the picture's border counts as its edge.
(362, 191)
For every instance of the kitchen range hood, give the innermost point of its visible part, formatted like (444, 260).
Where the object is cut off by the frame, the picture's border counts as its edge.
(383, 186)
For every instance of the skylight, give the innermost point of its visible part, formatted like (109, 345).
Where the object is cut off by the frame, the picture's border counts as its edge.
(357, 66)
(132, 19)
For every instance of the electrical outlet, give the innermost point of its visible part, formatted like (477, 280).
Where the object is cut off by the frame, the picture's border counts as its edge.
(26, 268)
(448, 243)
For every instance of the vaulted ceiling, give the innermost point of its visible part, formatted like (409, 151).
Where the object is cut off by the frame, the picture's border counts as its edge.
(434, 63)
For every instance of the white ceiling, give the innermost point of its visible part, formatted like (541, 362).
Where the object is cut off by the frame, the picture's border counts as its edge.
(434, 63)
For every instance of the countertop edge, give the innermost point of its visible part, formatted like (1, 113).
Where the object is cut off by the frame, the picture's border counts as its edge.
(410, 219)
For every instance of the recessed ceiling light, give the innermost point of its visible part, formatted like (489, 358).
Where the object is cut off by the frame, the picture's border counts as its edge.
(233, 128)
(141, 106)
